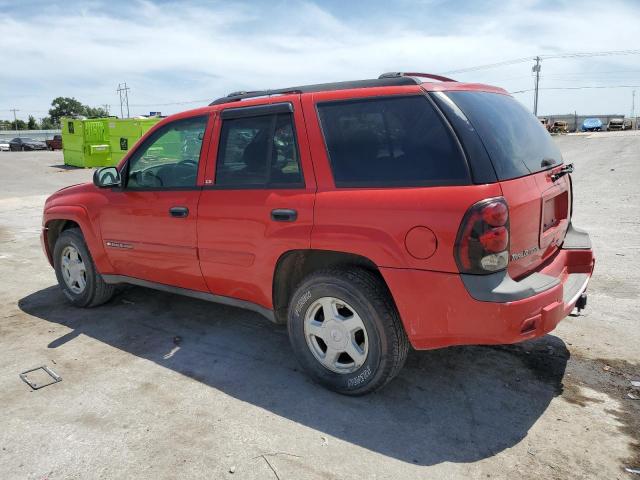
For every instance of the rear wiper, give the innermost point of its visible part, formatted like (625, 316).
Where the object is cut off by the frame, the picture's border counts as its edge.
(547, 162)
(562, 172)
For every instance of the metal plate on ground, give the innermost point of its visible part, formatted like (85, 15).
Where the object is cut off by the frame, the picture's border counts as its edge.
(40, 377)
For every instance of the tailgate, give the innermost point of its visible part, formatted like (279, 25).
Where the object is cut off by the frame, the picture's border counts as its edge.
(539, 214)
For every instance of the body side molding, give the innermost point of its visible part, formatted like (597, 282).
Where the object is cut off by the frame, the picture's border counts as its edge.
(210, 297)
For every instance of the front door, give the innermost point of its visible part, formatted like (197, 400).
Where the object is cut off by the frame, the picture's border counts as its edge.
(149, 226)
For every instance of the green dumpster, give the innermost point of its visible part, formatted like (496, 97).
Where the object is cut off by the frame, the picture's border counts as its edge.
(125, 132)
(85, 143)
(101, 142)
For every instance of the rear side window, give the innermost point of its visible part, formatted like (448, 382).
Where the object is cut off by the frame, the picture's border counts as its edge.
(392, 141)
(259, 151)
(515, 140)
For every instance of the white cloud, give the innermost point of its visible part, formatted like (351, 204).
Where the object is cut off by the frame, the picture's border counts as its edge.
(183, 51)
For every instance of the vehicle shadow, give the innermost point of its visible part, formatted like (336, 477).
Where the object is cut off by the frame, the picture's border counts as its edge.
(64, 166)
(458, 404)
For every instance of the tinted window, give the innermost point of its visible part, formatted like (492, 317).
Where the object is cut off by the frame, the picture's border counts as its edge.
(258, 151)
(398, 141)
(515, 139)
(170, 157)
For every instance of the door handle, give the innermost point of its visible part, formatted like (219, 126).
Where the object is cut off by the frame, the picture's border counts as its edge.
(179, 212)
(284, 215)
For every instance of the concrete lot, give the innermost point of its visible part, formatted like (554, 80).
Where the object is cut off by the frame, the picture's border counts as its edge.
(230, 402)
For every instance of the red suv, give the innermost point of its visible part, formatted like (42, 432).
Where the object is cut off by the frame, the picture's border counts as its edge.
(367, 216)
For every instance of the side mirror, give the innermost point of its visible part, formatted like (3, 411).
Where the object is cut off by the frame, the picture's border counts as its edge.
(106, 177)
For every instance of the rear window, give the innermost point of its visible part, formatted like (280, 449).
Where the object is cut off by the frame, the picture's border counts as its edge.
(515, 139)
(399, 141)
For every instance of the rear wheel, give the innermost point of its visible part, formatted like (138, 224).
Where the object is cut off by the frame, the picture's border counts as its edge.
(345, 330)
(77, 275)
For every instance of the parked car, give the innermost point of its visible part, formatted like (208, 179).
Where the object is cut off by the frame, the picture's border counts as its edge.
(560, 127)
(592, 125)
(55, 143)
(619, 124)
(368, 216)
(545, 123)
(22, 144)
(4, 146)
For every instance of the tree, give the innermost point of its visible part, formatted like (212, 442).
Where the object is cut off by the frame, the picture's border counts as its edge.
(31, 123)
(47, 124)
(65, 107)
(93, 112)
(21, 125)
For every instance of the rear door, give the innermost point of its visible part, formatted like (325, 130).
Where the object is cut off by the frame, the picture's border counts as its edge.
(258, 198)
(525, 158)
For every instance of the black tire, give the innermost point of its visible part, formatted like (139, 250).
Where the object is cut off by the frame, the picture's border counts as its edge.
(96, 291)
(368, 295)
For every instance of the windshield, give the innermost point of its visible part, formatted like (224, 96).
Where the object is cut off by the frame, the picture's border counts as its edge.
(28, 140)
(515, 140)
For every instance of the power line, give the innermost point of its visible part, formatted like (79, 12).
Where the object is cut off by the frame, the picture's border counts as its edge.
(490, 65)
(593, 54)
(577, 88)
(543, 57)
(170, 103)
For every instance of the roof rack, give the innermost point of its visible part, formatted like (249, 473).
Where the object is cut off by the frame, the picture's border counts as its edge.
(385, 80)
(241, 95)
(416, 74)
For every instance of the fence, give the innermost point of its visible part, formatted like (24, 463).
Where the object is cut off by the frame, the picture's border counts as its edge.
(42, 135)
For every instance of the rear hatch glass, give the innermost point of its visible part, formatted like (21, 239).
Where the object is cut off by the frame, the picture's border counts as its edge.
(515, 140)
(523, 154)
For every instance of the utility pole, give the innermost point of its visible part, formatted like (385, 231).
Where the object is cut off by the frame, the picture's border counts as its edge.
(633, 108)
(123, 91)
(15, 120)
(536, 69)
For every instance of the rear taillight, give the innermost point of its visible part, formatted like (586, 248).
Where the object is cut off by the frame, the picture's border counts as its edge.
(482, 245)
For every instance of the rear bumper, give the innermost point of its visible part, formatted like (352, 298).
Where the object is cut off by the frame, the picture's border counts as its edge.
(440, 309)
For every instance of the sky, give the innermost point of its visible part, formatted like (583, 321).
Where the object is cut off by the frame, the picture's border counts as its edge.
(180, 55)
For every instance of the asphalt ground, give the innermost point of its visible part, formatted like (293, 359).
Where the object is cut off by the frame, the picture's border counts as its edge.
(228, 400)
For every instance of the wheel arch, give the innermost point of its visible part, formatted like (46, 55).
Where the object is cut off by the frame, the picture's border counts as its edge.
(60, 218)
(295, 265)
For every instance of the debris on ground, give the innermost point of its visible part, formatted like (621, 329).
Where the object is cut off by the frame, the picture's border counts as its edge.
(40, 377)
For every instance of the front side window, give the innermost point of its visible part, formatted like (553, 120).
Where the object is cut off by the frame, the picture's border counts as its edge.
(258, 151)
(170, 157)
(392, 141)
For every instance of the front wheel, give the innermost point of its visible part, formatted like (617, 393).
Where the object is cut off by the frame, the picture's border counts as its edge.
(77, 275)
(345, 330)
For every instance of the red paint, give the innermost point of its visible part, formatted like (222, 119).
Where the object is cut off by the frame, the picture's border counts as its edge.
(229, 245)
